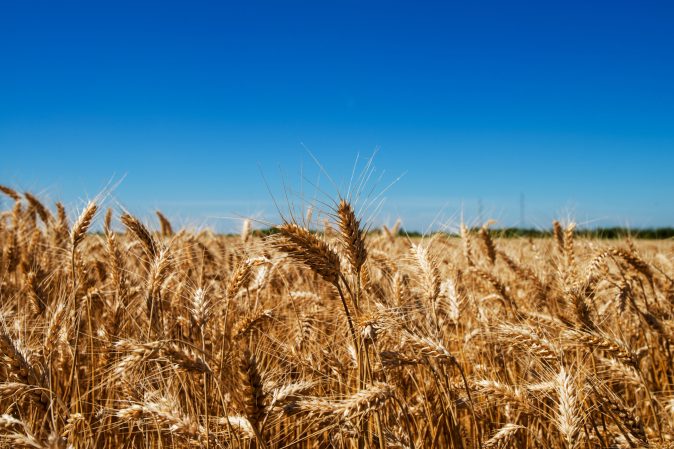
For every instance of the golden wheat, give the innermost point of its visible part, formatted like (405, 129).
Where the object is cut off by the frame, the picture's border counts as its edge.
(343, 338)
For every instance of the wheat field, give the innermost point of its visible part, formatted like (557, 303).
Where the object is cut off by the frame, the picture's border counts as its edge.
(327, 337)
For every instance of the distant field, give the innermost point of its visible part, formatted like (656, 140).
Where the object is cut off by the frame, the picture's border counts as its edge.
(143, 338)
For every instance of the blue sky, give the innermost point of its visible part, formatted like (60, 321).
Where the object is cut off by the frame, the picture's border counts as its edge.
(199, 106)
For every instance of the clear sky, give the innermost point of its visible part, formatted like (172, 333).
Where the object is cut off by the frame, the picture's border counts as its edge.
(194, 104)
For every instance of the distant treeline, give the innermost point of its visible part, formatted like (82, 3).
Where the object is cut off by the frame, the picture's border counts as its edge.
(597, 233)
